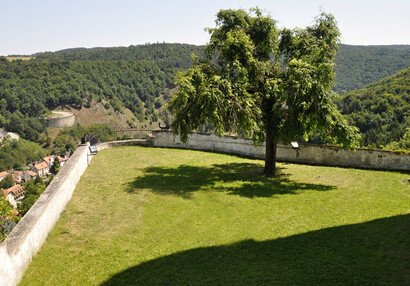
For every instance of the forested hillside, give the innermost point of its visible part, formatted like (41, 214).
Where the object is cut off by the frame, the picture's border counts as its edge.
(29, 88)
(166, 56)
(357, 66)
(381, 110)
(136, 77)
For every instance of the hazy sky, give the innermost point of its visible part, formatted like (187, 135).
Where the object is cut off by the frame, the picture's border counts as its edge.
(29, 26)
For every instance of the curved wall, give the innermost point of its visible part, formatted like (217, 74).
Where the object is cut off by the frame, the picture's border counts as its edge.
(307, 153)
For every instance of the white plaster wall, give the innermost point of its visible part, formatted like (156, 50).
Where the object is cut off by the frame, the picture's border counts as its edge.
(307, 154)
(27, 237)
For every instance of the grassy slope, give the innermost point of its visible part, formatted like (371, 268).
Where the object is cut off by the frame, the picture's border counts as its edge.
(171, 217)
(19, 58)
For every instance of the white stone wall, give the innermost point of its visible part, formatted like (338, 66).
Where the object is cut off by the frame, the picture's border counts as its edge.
(307, 153)
(27, 237)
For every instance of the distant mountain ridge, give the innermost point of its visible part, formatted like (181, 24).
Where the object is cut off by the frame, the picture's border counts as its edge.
(358, 66)
(141, 78)
(355, 66)
(163, 54)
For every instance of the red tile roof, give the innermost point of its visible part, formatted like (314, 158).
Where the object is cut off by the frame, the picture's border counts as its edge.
(48, 158)
(61, 159)
(16, 178)
(41, 166)
(32, 174)
(15, 189)
(3, 174)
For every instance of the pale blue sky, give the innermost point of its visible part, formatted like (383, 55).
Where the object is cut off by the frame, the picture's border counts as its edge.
(29, 26)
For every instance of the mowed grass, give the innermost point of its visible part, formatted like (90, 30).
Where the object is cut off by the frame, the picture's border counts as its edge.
(146, 216)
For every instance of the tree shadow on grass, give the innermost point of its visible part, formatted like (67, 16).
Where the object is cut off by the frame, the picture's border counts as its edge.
(370, 253)
(243, 179)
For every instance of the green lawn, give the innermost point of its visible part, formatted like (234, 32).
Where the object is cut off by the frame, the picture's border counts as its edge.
(145, 216)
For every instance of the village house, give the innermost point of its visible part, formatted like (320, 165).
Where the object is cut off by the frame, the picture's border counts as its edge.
(17, 176)
(14, 194)
(49, 160)
(42, 169)
(3, 175)
(62, 160)
(29, 175)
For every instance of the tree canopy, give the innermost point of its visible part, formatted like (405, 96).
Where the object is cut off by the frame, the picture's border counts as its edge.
(263, 82)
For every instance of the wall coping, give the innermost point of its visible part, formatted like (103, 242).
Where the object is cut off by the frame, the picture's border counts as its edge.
(333, 147)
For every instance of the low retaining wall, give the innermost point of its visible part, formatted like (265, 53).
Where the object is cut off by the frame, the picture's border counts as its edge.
(307, 153)
(27, 237)
(131, 142)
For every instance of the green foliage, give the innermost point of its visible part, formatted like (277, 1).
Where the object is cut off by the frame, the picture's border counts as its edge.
(264, 83)
(15, 152)
(381, 111)
(126, 77)
(55, 168)
(5, 211)
(403, 144)
(68, 138)
(34, 188)
(5, 207)
(357, 66)
(166, 56)
(7, 182)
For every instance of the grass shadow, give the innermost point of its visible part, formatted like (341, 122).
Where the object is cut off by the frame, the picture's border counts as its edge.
(243, 179)
(370, 253)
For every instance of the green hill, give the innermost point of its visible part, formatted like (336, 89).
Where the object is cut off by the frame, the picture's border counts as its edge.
(381, 110)
(357, 66)
(136, 78)
(166, 56)
(28, 89)
(140, 78)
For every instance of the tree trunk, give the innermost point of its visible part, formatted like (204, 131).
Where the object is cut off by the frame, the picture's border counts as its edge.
(270, 155)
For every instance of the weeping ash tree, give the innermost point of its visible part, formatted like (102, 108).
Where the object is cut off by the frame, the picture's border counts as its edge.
(264, 83)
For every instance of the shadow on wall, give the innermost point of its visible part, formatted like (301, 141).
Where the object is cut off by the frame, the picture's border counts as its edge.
(371, 253)
(246, 178)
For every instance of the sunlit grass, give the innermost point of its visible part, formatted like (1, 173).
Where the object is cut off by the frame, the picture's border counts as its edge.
(150, 216)
(19, 58)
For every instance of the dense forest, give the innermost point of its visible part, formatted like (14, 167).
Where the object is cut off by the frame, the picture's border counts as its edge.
(166, 56)
(136, 77)
(357, 66)
(381, 111)
(15, 153)
(131, 77)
